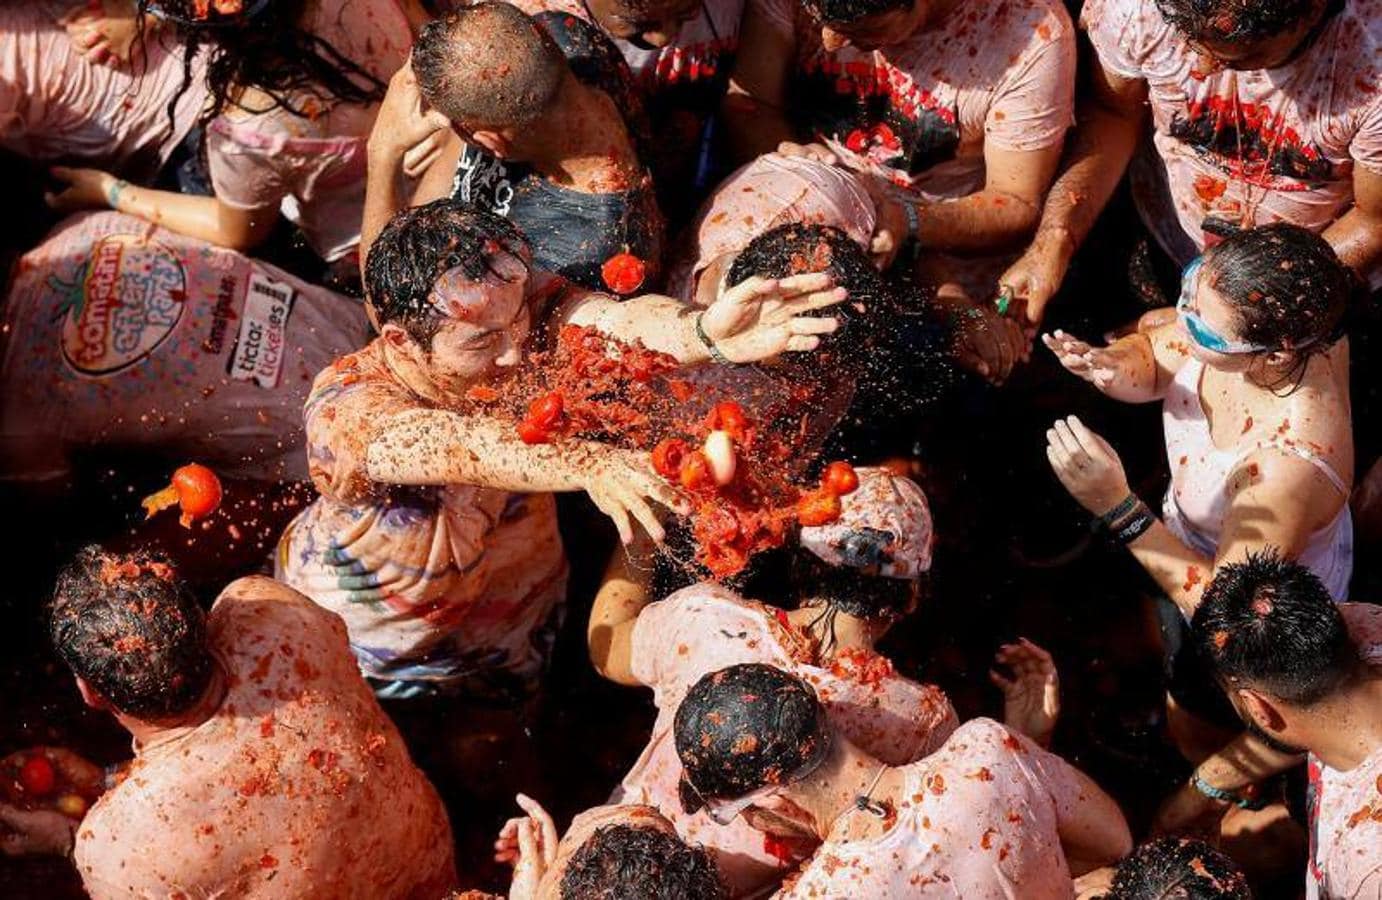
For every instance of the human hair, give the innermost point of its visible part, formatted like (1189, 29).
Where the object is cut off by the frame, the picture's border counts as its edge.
(130, 627)
(488, 64)
(799, 249)
(1270, 623)
(1178, 868)
(849, 590)
(421, 244)
(624, 862)
(1285, 283)
(262, 45)
(1240, 21)
(746, 727)
(847, 12)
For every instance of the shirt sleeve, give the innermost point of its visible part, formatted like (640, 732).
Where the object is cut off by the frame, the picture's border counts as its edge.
(1366, 146)
(344, 413)
(245, 172)
(1036, 103)
(1112, 26)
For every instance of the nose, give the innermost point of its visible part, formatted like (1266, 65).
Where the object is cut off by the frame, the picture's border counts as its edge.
(832, 40)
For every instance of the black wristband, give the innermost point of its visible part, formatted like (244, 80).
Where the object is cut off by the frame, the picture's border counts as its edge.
(1136, 526)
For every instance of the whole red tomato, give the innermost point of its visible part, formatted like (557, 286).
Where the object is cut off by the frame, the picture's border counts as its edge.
(199, 491)
(546, 410)
(624, 273)
(839, 478)
(37, 776)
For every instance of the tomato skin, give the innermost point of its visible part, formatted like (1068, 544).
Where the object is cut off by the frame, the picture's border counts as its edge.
(818, 508)
(547, 410)
(695, 472)
(199, 491)
(37, 776)
(668, 456)
(482, 393)
(624, 273)
(531, 432)
(839, 478)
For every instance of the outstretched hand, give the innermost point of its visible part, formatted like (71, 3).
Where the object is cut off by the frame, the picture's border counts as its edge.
(760, 318)
(623, 485)
(1031, 696)
(1086, 465)
(1100, 366)
(529, 844)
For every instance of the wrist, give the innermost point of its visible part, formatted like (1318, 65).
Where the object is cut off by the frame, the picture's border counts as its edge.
(1058, 242)
(112, 188)
(706, 343)
(1245, 797)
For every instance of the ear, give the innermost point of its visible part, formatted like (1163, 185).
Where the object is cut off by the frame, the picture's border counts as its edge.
(394, 335)
(495, 142)
(89, 695)
(1262, 710)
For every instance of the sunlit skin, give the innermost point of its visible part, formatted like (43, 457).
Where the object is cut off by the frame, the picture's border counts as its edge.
(647, 26)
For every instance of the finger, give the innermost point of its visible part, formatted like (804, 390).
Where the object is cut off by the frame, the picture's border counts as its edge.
(1070, 442)
(1057, 453)
(806, 283)
(802, 343)
(817, 300)
(616, 514)
(998, 678)
(62, 173)
(641, 511)
(1088, 439)
(813, 325)
(527, 842)
(547, 828)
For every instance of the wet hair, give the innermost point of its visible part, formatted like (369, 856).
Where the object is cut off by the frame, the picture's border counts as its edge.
(847, 12)
(488, 64)
(747, 727)
(1178, 868)
(1269, 623)
(624, 862)
(848, 590)
(131, 628)
(264, 47)
(1242, 21)
(1285, 283)
(421, 244)
(797, 249)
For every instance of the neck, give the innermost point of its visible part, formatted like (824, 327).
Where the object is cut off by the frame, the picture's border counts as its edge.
(849, 631)
(590, 150)
(412, 375)
(1351, 725)
(831, 790)
(147, 732)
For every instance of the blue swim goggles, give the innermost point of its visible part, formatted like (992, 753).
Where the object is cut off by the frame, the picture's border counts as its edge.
(1200, 331)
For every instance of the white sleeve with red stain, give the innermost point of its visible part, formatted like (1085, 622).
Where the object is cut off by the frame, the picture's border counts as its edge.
(1035, 104)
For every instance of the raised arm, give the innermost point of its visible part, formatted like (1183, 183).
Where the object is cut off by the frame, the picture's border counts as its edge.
(755, 110)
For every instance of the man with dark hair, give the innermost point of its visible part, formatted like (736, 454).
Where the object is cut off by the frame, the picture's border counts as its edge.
(1261, 111)
(1180, 867)
(609, 853)
(435, 534)
(956, 108)
(854, 578)
(1303, 674)
(263, 766)
(988, 811)
(531, 137)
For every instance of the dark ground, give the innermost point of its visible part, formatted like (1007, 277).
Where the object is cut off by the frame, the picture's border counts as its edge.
(994, 501)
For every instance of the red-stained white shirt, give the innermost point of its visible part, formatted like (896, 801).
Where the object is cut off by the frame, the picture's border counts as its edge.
(1249, 147)
(919, 113)
(976, 820)
(1345, 808)
(55, 104)
(706, 627)
(297, 786)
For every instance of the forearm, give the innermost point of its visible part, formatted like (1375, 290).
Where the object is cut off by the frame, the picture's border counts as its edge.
(622, 596)
(434, 447)
(1094, 833)
(1357, 238)
(989, 220)
(1180, 572)
(1100, 150)
(1135, 380)
(662, 324)
(1244, 761)
(753, 127)
(195, 216)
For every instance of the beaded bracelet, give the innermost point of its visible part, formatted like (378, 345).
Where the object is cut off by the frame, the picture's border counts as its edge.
(1224, 796)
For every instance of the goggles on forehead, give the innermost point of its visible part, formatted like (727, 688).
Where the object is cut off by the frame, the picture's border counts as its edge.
(1199, 330)
(454, 292)
(248, 11)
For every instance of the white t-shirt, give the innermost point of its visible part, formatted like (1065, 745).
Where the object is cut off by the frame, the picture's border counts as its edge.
(1345, 808)
(1250, 147)
(978, 820)
(706, 627)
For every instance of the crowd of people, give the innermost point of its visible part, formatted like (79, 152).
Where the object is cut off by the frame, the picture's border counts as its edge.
(474, 327)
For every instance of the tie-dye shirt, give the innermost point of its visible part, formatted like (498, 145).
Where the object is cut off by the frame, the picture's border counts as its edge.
(435, 584)
(706, 627)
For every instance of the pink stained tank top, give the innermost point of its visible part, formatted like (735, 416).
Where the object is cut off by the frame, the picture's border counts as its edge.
(1197, 499)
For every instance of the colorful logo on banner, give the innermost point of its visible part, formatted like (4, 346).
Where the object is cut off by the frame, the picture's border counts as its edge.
(124, 300)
